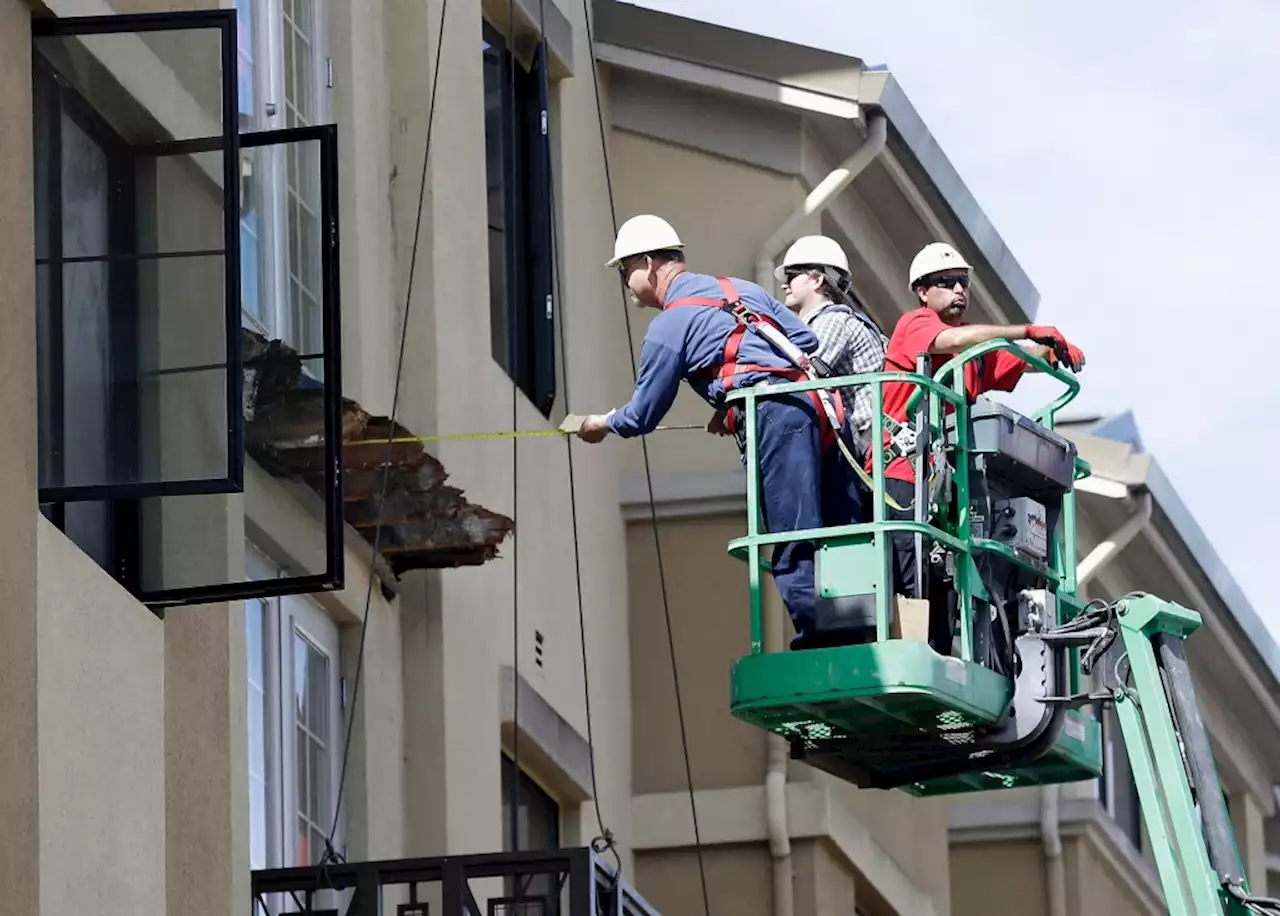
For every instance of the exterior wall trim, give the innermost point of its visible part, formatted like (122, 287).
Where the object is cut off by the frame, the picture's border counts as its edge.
(554, 750)
(1083, 818)
(526, 15)
(750, 87)
(685, 495)
(662, 821)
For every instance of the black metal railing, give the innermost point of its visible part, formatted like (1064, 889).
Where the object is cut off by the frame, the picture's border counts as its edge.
(561, 882)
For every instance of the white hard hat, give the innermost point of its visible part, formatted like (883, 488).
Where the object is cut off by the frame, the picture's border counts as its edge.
(932, 258)
(641, 234)
(813, 249)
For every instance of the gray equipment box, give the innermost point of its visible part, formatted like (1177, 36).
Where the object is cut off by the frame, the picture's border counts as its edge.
(1020, 450)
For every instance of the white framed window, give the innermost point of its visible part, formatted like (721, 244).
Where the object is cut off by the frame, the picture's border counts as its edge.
(296, 728)
(285, 80)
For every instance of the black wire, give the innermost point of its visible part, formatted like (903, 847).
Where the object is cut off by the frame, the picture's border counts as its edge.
(605, 840)
(513, 359)
(329, 854)
(648, 474)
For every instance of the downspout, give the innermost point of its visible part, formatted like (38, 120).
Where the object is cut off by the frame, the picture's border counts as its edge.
(821, 196)
(775, 780)
(1050, 796)
(775, 783)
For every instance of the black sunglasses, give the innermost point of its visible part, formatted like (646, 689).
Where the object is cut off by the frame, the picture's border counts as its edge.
(949, 282)
(790, 273)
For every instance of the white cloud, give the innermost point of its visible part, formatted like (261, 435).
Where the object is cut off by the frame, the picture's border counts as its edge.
(1127, 154)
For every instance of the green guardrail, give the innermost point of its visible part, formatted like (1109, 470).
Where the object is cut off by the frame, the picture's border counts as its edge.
(947, 386)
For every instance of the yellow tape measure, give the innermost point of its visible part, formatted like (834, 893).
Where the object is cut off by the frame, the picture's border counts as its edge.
(570, 426)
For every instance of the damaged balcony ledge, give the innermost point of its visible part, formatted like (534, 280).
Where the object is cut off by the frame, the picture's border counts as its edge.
(424, 523)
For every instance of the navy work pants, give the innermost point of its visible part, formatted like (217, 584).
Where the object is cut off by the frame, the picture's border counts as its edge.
(801, 488)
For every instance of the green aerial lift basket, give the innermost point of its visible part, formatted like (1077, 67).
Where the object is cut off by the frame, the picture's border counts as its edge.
(894, 712)
(859, 712)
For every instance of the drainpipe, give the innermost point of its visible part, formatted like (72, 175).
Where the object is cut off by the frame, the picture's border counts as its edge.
(1101, 555)
(775, 780)
(1055, 869)
(1107, 549)
(821, 196)
(775, 783)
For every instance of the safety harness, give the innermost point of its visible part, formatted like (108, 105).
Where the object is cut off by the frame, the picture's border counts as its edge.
(830, 410)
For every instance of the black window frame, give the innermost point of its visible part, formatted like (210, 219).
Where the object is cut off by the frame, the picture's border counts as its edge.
(523, 312)
(228, 144)
(126, 500)
(53, 96)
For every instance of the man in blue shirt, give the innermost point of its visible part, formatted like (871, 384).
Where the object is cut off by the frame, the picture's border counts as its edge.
(688, 341)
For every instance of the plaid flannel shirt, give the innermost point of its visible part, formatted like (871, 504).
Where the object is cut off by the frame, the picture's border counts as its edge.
(848, 345)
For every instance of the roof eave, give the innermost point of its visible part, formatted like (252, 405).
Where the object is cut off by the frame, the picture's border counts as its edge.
(923, 157)
(821, 85)
(1143, 472)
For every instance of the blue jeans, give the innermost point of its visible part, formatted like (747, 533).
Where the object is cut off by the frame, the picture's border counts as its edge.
(801, 488)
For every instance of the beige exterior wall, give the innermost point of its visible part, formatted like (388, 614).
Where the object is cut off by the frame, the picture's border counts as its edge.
(100, 692)
(102, 724)
(169, 716)
(19, 631)
(1010, 877)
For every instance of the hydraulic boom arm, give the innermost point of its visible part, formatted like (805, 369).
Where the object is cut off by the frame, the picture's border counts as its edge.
(1169, 751)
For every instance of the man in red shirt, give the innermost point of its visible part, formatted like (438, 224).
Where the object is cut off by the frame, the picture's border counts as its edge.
(939, 278)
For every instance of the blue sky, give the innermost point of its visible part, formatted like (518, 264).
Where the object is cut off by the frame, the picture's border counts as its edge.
(1129, 155)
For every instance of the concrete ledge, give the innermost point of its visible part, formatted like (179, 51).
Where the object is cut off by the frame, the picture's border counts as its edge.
(549, 745)
(992, 821)
(728, 816)
(685, 495)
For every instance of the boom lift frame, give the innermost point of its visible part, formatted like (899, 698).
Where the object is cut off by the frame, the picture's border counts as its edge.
(895, 713)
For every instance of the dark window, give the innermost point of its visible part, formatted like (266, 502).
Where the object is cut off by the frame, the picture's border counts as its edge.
(539, 829)
(86, 353)
(151, 397)
(1119, 791)
(517, 166)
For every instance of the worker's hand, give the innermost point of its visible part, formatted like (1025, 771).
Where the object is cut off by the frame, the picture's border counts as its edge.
(594, 428)
(1067, 353)
(718, 426)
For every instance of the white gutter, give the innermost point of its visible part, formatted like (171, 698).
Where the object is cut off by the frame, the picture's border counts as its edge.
(775, 782)
(821, 196)
(1050, 796)
(1106, 550)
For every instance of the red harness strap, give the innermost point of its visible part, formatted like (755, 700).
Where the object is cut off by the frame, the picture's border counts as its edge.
(729, 368)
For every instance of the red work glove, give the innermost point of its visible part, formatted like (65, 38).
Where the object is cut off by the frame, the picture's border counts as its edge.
(1067, 353)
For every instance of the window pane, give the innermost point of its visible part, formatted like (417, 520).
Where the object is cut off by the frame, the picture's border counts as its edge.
(133, 383)
(317, 797)
(257, 824)
(307, 853)
(539, 829)
(245, 63)
(302, 786)
(495, 120)
(300, 677)
(290, 71)
(317, 694)
(259, 769)
(85, 193)
(177, 75)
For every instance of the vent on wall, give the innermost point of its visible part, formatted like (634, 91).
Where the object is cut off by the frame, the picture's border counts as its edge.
(538, 640)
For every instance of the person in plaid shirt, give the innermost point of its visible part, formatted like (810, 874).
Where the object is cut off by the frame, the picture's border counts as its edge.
(815, 277)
